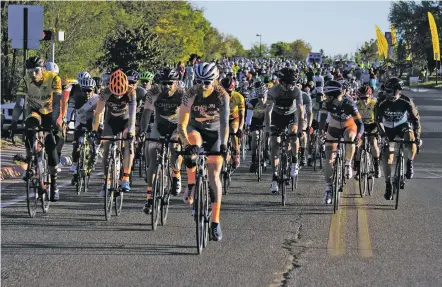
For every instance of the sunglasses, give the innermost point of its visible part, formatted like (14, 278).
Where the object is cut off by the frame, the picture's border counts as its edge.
(168, 83)
(206, 83)
(87, 90)
(389, 91)
(36, 70)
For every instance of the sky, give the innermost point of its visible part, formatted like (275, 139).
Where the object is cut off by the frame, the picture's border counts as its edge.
(337, 27)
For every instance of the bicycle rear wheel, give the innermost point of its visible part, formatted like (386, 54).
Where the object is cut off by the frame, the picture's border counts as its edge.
(109, 184)
(198, 207)
(156, 197)
(167, 187)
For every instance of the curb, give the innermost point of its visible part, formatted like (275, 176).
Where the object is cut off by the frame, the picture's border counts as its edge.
(17, 170)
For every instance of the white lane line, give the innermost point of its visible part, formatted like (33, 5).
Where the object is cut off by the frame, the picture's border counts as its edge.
(23, 197)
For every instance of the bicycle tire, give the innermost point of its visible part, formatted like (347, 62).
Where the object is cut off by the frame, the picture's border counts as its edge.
(167, 186)
(259, 158)
(79, 176)
(282, 165)
(46, 178)
(199, 220)
(363, 180)
(207, 215)
(31, 196)
(336, 185)
(86, 182)
(397, 181)
(370, 180)
(314, 151)
(109, 193)
(156, 197)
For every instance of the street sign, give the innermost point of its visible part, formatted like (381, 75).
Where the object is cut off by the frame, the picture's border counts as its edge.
(60, 36)
(16, 25)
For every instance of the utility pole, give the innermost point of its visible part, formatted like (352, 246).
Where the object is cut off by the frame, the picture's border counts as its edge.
(260, 45)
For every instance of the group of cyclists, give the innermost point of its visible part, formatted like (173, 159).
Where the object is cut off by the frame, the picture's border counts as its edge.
(225, 99)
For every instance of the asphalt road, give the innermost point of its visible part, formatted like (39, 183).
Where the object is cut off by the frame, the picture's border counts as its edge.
(367, 243)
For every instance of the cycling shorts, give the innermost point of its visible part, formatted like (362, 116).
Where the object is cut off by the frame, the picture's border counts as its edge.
(280, 122)
(211, 140)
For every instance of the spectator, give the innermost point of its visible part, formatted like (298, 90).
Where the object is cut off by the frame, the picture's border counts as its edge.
(189, 75)
(373, 78)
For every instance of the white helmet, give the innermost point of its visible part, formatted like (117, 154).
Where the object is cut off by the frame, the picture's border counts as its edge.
(52, 67)
(87, 82)
(207, 72)
(83, 75)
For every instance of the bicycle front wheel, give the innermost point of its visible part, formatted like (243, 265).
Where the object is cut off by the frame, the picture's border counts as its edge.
(32, 197)
(156, 197)
(198, 207)
(363, 174)
(167, 187)
(397, 181)
(109, 181)
(337, 174)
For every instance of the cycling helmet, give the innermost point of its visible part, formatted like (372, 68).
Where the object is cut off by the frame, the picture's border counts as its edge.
(82, 75)
(52, 67)
(394, 84)
(261, 88)
(333, 89)
(364, 91)
(132, 76)
(228, 84)
(34, 62)
(147, 76)
(168, 74)
(118, 83)
(105, 78)
(345, 85)
(311, 85)
(87, 83)
(98, 81)
(207, 72)
(287, 75)
(157, 78)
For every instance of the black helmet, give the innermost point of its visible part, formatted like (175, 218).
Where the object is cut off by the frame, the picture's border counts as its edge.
(132, 76)
(34, 62)
(333, 89)
(394, 84)
(157, 78)
(228, 83)
(98, 81)
(168, 74)
(287, 75)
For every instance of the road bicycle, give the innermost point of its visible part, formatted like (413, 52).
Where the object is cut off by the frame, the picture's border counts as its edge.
(366, 166)
(162, 183)
(85, 161)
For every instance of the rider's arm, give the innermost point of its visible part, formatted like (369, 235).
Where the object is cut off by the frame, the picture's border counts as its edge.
(148, 108)
(103, 97)
(20, 101)
(379, 113)
(132, 111)
(357, 118)
(241, 111)
(56, 98)
(414, 118)
(299, 105)
(224, 113)
(309, 113)
(184, 114)
(323, 116)
(269, 109)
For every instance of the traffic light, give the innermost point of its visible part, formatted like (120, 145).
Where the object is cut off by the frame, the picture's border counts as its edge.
(47, 35)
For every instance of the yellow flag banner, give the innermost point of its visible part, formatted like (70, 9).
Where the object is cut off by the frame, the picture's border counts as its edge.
(393, 35)
(434, 37)
(408, 48)
(382, 43)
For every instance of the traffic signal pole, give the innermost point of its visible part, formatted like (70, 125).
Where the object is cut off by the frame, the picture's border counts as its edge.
(53, 48)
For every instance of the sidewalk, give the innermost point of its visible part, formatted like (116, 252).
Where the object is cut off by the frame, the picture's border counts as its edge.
(10, 169)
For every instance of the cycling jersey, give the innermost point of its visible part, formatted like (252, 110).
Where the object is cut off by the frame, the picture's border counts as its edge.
(39, 96)
(395, 113)
(77, 98)
(165, 107)
(284, 102)
(86, 113)
(236, 104)
(141, 95)
(257, 108)
(208, 113)
(367, 111)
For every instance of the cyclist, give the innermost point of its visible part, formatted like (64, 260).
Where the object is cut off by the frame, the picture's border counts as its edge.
(119, 98)
(203, 120)
(42, 92)
(366, 107)
(256, 107)
(163, 101)
(394, 115)
(236, 119)
(284, 109)
(98, 85)
(146, 80)
(346, 122)
(84, 115)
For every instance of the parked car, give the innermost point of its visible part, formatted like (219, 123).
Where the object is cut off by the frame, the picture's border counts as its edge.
(6, 112)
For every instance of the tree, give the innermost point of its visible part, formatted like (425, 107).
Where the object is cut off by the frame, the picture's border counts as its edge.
(280, 49)
(300, 50)
(369, 51)
(411, 22)
(134, 48)
(256, 52)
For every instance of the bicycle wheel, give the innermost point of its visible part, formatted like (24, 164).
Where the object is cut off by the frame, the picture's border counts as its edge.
(118, 196)
(207, 214)
(314, 151)
(46, 179)
(397, 181)
(363, 176)
(156, 197)
(109, 184)
(199, 216)
(259, 153)
(337, 173)
(80, 171)
(282, 166)
(167, 187)
(31, 194)
(370, 171)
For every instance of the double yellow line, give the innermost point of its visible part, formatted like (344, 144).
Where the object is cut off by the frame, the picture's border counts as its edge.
(336, 236)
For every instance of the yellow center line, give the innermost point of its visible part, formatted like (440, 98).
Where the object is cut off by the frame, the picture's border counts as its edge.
(336, 235)
(364, 243)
